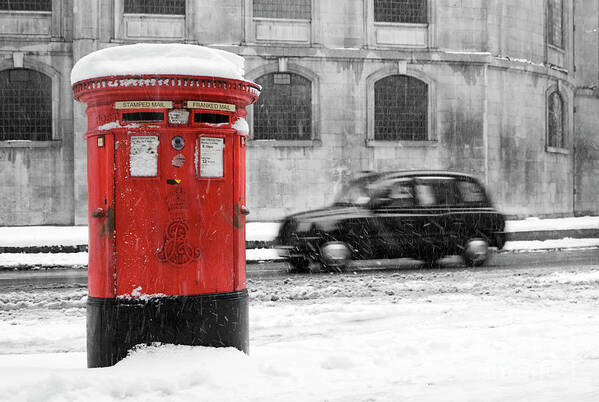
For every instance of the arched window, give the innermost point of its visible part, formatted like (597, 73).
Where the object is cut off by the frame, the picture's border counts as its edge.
(400, 109)
(25, 105)
(284, 109)
(400, 11)
(555, 136)
(555, 23)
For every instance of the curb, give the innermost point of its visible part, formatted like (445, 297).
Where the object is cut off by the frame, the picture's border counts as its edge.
(45, 249)
(540, 235)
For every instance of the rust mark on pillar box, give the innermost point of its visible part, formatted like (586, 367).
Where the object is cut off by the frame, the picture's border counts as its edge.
(107, 227)
(239, 212)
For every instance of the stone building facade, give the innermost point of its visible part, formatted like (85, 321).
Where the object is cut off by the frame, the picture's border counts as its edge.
(503, 89)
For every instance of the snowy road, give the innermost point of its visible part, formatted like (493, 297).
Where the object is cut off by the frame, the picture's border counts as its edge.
(507, 333)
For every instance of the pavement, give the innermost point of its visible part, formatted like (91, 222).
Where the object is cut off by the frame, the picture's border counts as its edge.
(66, 246)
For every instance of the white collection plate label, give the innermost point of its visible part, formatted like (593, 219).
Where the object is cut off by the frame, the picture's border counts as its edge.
(211, 156)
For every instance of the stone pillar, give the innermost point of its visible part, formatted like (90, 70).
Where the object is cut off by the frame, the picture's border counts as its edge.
(85, 41)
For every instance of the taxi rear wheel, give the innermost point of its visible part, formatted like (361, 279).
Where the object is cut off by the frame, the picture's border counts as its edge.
(476, 252)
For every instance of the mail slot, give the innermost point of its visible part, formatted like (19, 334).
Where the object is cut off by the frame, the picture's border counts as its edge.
(166, 189)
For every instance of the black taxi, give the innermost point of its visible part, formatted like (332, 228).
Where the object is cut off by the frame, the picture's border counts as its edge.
(423, 215)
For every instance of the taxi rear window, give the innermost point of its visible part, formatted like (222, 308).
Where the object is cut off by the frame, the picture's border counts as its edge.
(449, 191)
(471, 192)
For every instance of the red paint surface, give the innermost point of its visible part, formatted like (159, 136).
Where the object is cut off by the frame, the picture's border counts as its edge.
(100, 174)
(148, 236)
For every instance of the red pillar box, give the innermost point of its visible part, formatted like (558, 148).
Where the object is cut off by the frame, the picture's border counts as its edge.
(166, 184)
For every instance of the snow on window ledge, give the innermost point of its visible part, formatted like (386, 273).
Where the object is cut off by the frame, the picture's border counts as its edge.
(556, 48)
(402, 144)
(29, 144)
(284, 143)
(556, 150)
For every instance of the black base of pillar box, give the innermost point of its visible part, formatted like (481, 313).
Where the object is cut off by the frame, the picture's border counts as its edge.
(114, 326)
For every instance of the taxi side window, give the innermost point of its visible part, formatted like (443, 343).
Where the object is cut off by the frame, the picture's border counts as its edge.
(437, 191)
(425, 195)
(401, 194)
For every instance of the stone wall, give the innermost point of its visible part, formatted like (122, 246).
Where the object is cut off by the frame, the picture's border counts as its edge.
(487, 63)
(587, 105)
(36, 177)
(525, 177)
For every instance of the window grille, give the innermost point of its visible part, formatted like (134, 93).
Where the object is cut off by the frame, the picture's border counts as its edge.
(555, 23)
(26, 5)
(25, 105)
(284, 108)
(403, 11)
(170, 7)
(556, 121)
(292, 9)
(400, 109)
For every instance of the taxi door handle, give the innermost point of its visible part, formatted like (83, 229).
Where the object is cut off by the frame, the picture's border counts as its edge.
(243, 210)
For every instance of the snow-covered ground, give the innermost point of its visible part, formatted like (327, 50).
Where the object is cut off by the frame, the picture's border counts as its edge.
(44, 260)
(452, 335)
(534, 224)
(448, 334)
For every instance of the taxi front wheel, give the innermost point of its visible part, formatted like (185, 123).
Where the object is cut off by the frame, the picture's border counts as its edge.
(335, 256)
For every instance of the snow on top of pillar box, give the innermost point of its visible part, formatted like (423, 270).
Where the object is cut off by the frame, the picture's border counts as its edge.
(158, 59)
